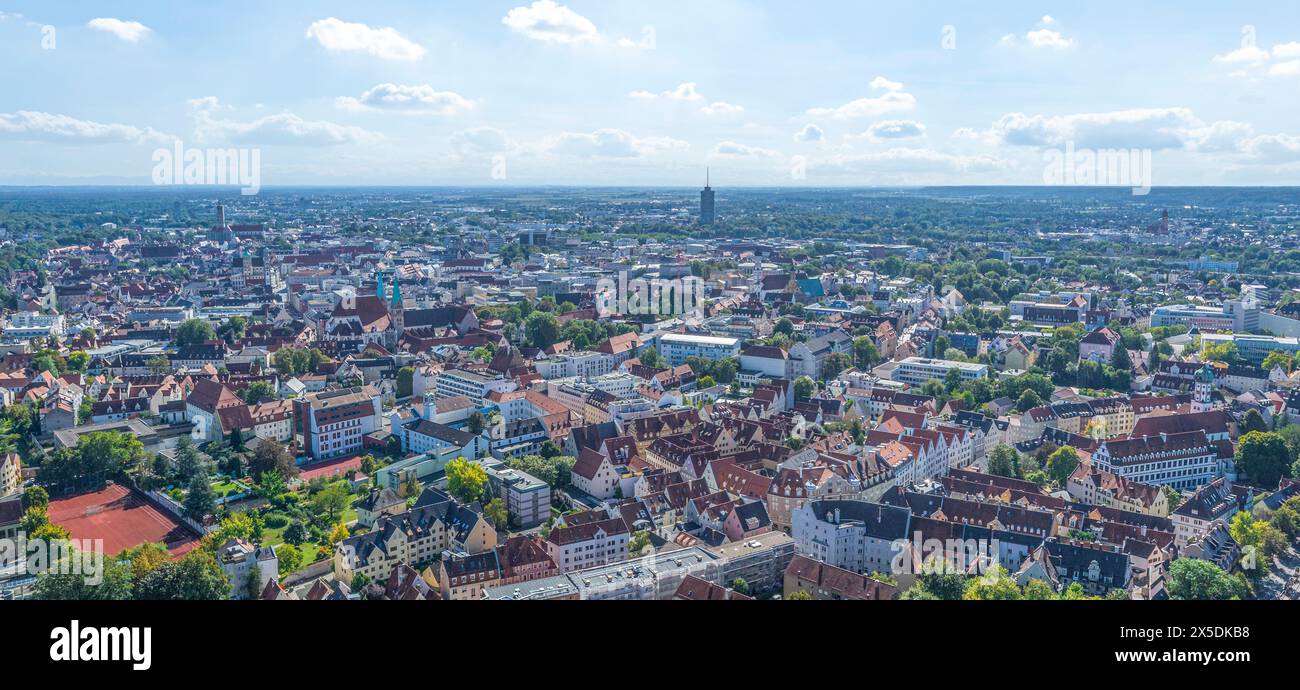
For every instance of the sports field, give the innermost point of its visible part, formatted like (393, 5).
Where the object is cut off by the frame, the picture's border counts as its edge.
(122, 519)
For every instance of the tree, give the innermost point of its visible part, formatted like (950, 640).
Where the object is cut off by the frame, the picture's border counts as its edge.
(272, 455)
(1037, 590)
(496, 511)
(1121, 360)
(784, 326)
(1193, 578)
(1061, 464)
(1277, 358)
(36, 497)
(994, 585)
(865, 354)
(339, 533)
(233, 329)
(1027, 401)
(952, 380)
(158, 365)
(405, 382)
(1004, 461)
(799, 596)
(650, 357)
(476, 423)
(290, 558)
(187, 460)
(466, 480)
(1264, 457)
(1253, 421)
(331, 501)
(834, 364)
(145, 558)
(253, 585)
(78, 360)
(194, 332)
(804, 387)
(542, 329)
(295, 534)
(257, 391)
(67, 584)
(199, 502)
(197, 576)
(740, 585)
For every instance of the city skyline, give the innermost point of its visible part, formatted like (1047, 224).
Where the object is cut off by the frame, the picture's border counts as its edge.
(618, 94)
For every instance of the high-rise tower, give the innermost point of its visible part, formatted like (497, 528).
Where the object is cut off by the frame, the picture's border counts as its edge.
(706, 201)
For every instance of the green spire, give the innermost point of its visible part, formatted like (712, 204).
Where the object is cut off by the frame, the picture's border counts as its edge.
(397, 293)
(379, 292)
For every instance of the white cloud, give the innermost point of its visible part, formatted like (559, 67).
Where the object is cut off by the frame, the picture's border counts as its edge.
(204, 103)
(39, 126)
(1154, 128)
(915, 160)
(609, 143)
(280, 129)
(886, 84)
(419, 99)
(1273, 148)
(1224, 135)
(810, 133)
(336, 35)
(1246, 53)
(683, 92)
(1253, 62)
(722, 108)
(480, 140)
(1283, 51)
(895, 129)
(550, 22)
(731, 149)
(1290, 68)
(1047, 38)
(1042, 37)
(646, 42)
(894, 100)
(128, 31)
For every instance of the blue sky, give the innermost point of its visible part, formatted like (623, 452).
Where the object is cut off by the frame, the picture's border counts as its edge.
(613, 92)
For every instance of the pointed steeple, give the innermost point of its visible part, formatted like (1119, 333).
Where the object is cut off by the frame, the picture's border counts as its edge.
(397, 292)
(379, 291)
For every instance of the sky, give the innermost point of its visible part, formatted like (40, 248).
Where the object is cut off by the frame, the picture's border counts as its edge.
(613, 92)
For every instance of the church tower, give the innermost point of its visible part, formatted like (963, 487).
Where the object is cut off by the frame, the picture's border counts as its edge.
(396, 309)
(1204, 379)
(379, 281)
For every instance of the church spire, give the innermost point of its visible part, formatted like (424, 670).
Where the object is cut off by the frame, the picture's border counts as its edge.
(397, 292)
(379, 291)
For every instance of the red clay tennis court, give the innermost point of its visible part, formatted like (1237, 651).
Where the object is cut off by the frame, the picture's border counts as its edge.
(122, 519)
(330, 468)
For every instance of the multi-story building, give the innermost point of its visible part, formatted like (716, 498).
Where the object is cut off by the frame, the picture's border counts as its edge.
(1182, 460)
(436, 524)
(470, 384)
(676, 347)
(526, 497)
(239, 560)
(918, 370)
(854, 535)
(334, 423)
(589, 544)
